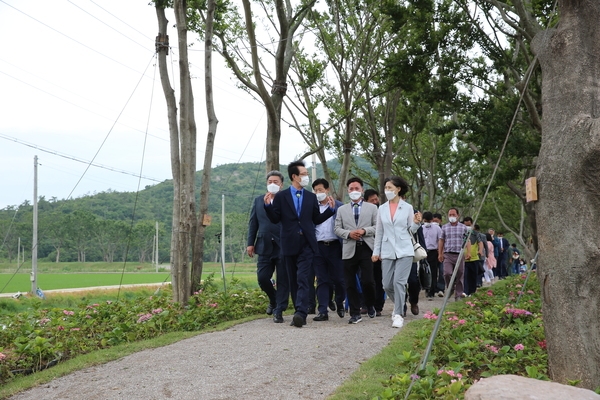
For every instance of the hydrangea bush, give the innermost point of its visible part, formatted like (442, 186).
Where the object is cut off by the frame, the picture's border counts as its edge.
(488, 334)
(39, 338)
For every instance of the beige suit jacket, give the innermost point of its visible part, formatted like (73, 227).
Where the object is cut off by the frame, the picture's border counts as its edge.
(344, 224)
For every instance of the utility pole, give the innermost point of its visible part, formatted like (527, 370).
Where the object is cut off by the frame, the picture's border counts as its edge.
(34, 248)
(156, 247)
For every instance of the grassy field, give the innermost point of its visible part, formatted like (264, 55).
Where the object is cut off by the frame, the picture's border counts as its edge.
(80, 275)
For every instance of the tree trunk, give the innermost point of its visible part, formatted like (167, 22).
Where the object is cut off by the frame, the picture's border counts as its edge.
(197, 262)
(569, 198)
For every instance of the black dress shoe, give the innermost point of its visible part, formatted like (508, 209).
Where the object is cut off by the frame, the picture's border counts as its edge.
(278, 319)
(331, 305)
(414, 309)
(311, 310)
(298, 321)
(321, 317)
(341, 312)
(270, 309)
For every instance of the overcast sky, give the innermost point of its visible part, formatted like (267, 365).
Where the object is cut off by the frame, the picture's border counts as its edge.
(78, 82)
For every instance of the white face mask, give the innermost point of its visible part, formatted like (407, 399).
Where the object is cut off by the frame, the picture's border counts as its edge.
(355, 195)
(427, 224)
(469, 228)
(304, 181)
(390, 195)
(452, 219)
(321, 196)
(273, 188)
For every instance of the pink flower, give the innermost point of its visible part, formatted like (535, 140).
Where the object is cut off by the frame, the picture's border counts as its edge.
(157, 311)
(213, 305)
(143, 318)
(518, 285)
(530, 292)
(471, 304)
(462, 322)
(88, 316)
(490, 293)
(519, 347)
(44, 321)
(430, 315)
(60, 328)
(75, 329)
(2, 356)
(493, 349)
(542, 344)
(96, 305)
(516, 313)
(67, 312)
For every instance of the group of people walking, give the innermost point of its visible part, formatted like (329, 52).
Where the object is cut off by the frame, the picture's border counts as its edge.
(359, 252)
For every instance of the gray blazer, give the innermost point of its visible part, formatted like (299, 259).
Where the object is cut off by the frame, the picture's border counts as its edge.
(392, 238)
(344, 223)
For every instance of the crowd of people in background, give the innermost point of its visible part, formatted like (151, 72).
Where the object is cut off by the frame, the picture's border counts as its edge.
(347, 258)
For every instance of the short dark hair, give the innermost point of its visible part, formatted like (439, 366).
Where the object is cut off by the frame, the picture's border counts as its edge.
(514, 245)
(321, 181)
(437, 215)
(488, 237)
(355, 179)
(275, 173)
(427, 216)
(398, 182)
(455, 209)
(370, 192)
(476, 226)
(465, 219)
(293, 168)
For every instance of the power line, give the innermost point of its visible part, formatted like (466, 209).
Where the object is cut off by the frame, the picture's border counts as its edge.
(73, 158)
(69, 37)
(109, 26)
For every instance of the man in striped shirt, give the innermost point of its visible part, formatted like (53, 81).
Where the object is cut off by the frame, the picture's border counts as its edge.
(449, 247)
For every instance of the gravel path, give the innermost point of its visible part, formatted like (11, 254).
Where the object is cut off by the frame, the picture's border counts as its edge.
(253, 360)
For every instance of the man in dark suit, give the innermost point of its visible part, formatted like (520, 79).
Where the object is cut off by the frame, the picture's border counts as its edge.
(263, 239)
(298, 212)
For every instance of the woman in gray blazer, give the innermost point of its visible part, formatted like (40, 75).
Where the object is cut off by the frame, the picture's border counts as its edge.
(393, 244)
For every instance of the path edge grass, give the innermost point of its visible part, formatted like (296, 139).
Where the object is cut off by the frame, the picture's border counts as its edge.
(103, 356)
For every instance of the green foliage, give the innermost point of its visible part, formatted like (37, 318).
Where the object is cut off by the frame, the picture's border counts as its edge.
(40, 337)
(489, 334)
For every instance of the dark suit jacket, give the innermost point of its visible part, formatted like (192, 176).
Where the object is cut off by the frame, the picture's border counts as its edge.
(261, 231)
(283, 211)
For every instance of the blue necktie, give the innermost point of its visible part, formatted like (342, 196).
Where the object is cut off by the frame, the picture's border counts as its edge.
(298, 195)
(356, 213)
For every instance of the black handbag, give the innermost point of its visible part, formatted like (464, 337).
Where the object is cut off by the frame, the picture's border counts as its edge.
(425, 275)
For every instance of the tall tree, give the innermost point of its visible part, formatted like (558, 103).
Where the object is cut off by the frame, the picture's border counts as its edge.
(183, 149)
(284, 19)
(568, 176)
(199, 241)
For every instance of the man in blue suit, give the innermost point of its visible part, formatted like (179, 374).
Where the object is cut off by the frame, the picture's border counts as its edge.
(263, 239)
(298, 212)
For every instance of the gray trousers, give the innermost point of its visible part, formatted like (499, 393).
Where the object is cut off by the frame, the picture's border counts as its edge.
(395, 275)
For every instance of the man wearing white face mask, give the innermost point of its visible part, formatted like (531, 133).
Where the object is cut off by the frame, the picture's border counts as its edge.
(355, 224)
(263, 239)
(453, 236)
(328, 265)
(298, 212)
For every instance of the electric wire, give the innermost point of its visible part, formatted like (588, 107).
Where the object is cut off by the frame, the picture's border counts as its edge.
(119, 19)
(137, 193)
(74, 158)
(70, 38)
(109, 26)
(112, 127)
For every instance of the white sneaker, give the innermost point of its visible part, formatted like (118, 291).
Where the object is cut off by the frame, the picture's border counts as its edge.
(440, 294)
(398, 321)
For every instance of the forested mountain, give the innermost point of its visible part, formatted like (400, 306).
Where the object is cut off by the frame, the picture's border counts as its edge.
(102, 226)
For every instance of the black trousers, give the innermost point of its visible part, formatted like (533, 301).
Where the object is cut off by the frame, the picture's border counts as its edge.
(414, 285)
(379, 292)
(329, 270)
(360, 262)
(434, 265)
